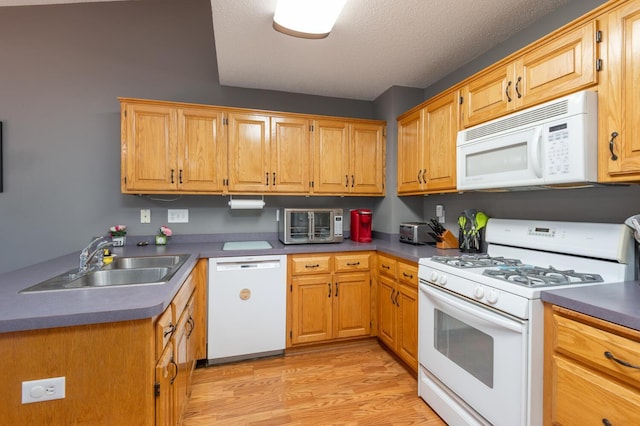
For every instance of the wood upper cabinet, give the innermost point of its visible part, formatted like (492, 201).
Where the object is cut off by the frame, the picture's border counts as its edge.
(328, 304)
(581, 353)
(268, 154)
(619, 103)
(551, 68)
(167, 148)
(348, 158)
(427, 146)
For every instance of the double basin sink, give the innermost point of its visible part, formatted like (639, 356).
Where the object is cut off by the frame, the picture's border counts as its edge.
(123, 271)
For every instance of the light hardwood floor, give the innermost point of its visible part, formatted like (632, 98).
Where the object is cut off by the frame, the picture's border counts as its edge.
(355, 383)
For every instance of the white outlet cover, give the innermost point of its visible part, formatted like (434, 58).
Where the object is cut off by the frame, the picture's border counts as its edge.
(43, 390)
(145, 216)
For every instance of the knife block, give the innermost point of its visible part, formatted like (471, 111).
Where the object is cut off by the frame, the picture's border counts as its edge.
(449, 241)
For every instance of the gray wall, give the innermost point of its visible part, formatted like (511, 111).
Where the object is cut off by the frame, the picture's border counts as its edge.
(62, 68)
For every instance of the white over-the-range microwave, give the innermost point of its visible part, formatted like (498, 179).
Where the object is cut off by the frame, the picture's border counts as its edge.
(550, 145)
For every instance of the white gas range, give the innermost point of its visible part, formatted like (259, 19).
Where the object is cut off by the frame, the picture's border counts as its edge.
(480, 332)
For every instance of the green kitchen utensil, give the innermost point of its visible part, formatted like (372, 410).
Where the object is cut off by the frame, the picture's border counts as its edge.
(481, 220)
(462, 221)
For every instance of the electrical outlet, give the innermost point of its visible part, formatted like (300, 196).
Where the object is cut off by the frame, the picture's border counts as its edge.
(43, 390)
(440, 213)
(178, 216)
(145, 216)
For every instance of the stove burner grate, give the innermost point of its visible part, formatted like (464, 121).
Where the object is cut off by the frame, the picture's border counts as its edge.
(475, 261)
(534, 276)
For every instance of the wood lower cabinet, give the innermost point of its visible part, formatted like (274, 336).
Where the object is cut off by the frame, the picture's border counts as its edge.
(618, 102)
(552, 67)
(398, 307)
(585, 380)
(427, 146)
(119, 373)
(329, 297)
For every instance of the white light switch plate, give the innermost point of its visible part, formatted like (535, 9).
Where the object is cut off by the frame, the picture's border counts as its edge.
(178, 216)
(145, 216)
(43, 390)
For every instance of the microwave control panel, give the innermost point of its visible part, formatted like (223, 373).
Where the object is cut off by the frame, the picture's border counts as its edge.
(337, 226)
(557, 161)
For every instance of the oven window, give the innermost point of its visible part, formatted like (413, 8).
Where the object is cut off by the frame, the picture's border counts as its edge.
(469, 348)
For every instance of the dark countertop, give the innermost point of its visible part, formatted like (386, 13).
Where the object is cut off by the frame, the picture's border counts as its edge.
(618, 303)
(29, 311)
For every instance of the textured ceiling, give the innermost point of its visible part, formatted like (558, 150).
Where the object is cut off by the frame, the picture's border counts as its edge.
(374, 45)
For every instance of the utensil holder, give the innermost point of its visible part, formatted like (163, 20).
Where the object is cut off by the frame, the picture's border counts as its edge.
(449, 241)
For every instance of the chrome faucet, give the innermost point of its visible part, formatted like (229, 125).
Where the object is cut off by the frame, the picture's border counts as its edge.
(86, 255)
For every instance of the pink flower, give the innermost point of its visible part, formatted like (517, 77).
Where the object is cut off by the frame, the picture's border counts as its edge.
(118, 231)
(165, 230)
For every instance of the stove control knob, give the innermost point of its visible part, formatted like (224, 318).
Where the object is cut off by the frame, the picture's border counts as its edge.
(492, 297)
(442, 279)
(434, 276)
(478, 292)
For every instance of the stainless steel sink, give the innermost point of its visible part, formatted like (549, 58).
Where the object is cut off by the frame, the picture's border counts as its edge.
(123, 271)
(168, 261)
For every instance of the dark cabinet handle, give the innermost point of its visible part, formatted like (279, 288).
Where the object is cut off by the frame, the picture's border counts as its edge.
(396, 301)
(337, 284)
(506, 92)
(317, 265)
(353, 263)
(606, 422)
(173, 379)
(274, 178)
(329, 284)
(169, 332)
(610, 356)
(346, 181)
(419, 178)
(614, 135)
(518, 87)
(385, 266)
(407, 275)
(171, 175)
(393, 292)
(424, 176)
(180, 177)
(266, 179)
(192, 326)
(353, 181)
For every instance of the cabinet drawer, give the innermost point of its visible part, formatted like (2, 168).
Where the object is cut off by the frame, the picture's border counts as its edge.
(352, 262)
(589, 345)
(320, 264)
(585, 397)
(164, 329)
(408, 274)
(387, 266)
(184, 294)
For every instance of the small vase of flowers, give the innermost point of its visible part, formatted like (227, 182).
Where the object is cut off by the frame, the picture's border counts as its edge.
(118, 235)
(165, 233)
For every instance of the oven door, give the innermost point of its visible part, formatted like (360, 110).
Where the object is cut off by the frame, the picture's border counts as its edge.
(478, 354)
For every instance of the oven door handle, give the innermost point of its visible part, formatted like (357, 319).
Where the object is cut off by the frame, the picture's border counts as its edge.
(471, 311)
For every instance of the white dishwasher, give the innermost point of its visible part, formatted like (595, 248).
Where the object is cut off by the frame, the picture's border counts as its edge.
(247, 307)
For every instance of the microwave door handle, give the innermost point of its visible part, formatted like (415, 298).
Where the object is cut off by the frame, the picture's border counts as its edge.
(311, 225)
(536, 153)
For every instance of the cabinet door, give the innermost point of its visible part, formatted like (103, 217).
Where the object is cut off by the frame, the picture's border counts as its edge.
(561, 66)
(410, 163)
(387, 311)
(181, 357)
(149, 148)
(440, 121)
(407, 337)
(166, 370)
(352, 305)
(488, 96)
(290, 155)
(201, 150)
(311, 303)
(367, 159)
(619, 104)
(331, 157)
(249, 143)
(199, 335)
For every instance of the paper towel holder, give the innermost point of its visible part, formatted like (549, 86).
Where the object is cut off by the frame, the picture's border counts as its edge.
(246, 203)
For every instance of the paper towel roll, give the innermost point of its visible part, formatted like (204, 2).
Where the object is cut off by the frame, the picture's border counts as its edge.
(246, 204)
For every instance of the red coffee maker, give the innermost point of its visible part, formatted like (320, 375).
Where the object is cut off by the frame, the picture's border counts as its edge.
(361, 225)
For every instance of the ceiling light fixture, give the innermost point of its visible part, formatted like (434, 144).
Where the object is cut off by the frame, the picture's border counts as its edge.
(307, 18)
